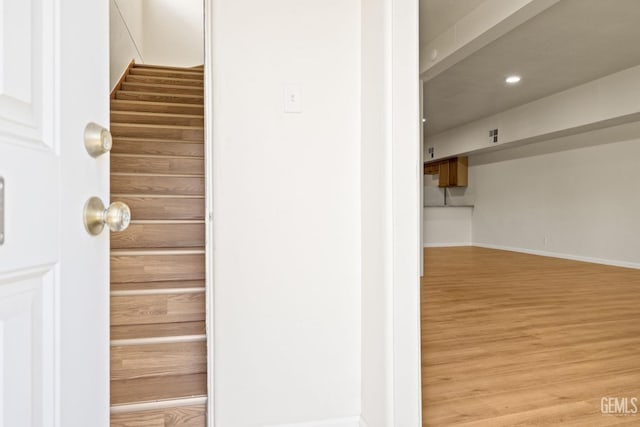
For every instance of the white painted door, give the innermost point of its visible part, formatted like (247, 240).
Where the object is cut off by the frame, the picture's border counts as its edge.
(54, 298)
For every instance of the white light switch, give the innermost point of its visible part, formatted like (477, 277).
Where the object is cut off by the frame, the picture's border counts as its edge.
(292, 99)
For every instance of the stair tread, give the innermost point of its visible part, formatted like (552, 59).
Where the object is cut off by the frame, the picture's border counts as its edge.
(161, 86)
(151, 266)
(158, 164)
(159, 105)
(157, 184)
(158, 330)
(159, 97)
(180, 208)
(162, 115)
(167, 67)
(158, 388)
(178, 416)
(158, 359)
(173, 95)
(165, 72)
(158, 131)
(155, 126)
(117, 139)
(174, 80)
(188, 80)
(157, 308)
(169, 148)
(147, 235)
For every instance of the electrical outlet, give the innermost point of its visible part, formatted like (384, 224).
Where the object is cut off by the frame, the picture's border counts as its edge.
(431, 152)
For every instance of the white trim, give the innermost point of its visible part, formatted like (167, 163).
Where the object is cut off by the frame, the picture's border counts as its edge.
(162, 291)
(165, 175)
(162, 404)
(151, 252)
(158, 340)
(611, 262)
(447, 245)
(363, 422)
(157, 196)
(333, 422)
(209, 101)
(407, 165)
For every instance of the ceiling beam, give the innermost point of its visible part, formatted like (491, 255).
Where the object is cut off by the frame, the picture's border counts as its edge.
(486, 23)
(609, 101)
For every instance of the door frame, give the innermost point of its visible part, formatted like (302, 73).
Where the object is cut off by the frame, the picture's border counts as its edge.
(208, 174)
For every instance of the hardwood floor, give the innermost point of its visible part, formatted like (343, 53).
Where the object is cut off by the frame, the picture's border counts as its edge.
(510, 339)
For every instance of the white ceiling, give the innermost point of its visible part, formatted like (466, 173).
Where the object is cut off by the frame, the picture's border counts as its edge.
(571, 43)
(438, 15)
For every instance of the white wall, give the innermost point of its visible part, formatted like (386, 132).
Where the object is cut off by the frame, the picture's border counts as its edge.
(573, 197)
(286, 190)
(125, 32)
(580, 203)
(174, 32)
(447, 226)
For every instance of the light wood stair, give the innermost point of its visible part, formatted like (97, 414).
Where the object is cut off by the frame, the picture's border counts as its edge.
(158, 330)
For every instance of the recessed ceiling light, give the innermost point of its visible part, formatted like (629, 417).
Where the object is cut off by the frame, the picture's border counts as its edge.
(513, 79)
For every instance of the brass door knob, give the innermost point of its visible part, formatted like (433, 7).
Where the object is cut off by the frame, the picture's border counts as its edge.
(97, 140)
(117, 216)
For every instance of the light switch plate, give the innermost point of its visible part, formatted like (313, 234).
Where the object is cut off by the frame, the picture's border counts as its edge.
(292, 99)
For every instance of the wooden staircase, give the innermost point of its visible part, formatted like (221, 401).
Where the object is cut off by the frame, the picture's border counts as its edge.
(158, 333)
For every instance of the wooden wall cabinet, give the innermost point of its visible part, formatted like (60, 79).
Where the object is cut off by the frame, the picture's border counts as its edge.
(451, 172)
(431, 168)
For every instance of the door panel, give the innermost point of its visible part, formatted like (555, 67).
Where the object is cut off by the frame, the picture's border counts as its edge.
(53, 276)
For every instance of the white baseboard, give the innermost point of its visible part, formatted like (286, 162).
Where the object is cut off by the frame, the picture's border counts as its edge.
(446, 245)
(334, 422)
(613, 263)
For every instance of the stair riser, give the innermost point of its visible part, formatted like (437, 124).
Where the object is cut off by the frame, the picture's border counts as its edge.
(158, 388)
(140, 236)
(156, 107)
(165, 81)
(156, 268)
(159, 97)
(164, 165)
(165, 208)
(167, 73)
(185, 416)
(155, 132)
(157, 119)
(127, 332)
(161, 185)
(149, 309)
(140, 361)
(166, 148)
(154, 88)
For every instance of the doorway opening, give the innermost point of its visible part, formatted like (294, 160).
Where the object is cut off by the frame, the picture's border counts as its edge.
(159, 164)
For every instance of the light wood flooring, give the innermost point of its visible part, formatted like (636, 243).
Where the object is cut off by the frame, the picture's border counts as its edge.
(510, 339)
